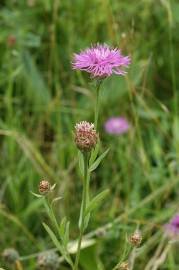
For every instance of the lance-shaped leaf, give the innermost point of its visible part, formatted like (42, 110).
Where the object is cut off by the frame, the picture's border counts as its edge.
(95, 202)
(94, 154)
(64, 231)
(98, 161)
(57, 244)
(36, 195)
(53, 237)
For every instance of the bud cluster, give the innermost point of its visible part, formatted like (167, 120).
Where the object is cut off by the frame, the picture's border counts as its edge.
(135, 239)
(85, 136)
(44, 187)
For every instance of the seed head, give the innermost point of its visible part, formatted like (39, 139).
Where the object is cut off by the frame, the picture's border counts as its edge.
(135, 239)
(44, 187)
(48, 260)
(10, 255)
(85, 136)
(123, 266)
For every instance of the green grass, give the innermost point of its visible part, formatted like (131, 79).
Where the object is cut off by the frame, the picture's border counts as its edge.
(41, 98)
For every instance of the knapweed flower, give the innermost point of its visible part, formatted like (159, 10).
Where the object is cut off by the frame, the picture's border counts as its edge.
(48, 260)
(172, 228)
(116, 125)
(44, 187)
(85, 136)
(101, 61)
(10, 255)
(136, 238)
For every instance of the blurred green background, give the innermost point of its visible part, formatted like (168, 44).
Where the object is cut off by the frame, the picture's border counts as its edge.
(41, 99)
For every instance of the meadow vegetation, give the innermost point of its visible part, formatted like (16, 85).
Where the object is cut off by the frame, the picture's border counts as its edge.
(41, 100)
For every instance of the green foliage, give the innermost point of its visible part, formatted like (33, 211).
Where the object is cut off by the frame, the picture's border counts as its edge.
(41, 99)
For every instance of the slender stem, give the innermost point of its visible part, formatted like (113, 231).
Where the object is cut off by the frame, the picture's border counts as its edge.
(98, 84)
(18, 265)
(172, 57)
(83, 207)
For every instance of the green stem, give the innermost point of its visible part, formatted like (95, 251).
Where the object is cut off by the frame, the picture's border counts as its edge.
(83, 207)
(98, 84)
(172, 57)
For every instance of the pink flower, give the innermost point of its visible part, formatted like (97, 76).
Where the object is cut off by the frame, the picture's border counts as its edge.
(172, 227)
(101, 61)
(116, 125)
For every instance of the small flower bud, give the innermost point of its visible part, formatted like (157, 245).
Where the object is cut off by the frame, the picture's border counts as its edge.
(10, 255)
(85, 136)
(135, 239)
(11, 40)
(44, 187)
(123, 266)
(48, 260)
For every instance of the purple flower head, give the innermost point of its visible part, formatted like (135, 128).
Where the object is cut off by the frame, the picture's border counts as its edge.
(116, 125)
(101, 61)
(172, 227)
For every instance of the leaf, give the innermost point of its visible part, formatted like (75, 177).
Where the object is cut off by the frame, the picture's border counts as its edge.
(66, 236)
(64, 231)
(95, 202)
(62, 227)
(34, 79)
(53, 237)
(57, 244)
(73, 245)
(55, 200)
(81, 162)
(94, 154)
(89, 259)
(98, 161)
(80, 218)
(36, 195)
(53, 187)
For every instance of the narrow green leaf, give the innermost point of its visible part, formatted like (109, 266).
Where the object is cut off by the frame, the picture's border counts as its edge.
(87, 218)
(34, 79)
(95, 202)
(66, 236)
(98, 161)
(55, 200)
(58, 244)
(53, 237)
(62, 227)
(80, 218)
(36, 195)
(94, 154)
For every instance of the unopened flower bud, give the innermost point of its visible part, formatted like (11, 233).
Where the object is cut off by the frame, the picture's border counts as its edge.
(48, 260)
(44, 187)
(123, 266)
(10, 255)
(85, 136)
(136, 239)
(11, 40)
